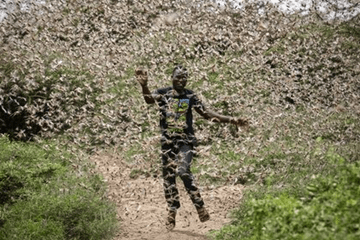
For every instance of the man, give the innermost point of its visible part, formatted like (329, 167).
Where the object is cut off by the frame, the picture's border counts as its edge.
(177, 137)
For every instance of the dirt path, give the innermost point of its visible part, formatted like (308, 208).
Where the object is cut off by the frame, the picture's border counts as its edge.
(141, 206)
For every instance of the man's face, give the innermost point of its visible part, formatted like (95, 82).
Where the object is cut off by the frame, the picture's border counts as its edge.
(179, 82)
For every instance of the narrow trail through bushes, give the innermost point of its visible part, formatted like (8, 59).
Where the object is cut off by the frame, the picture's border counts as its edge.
(141, 206)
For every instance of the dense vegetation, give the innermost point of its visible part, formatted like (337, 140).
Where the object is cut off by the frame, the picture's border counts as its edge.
(47, 194)
(68, 74)
(326, 207)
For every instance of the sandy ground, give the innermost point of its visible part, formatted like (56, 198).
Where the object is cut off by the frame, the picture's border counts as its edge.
(141, 206)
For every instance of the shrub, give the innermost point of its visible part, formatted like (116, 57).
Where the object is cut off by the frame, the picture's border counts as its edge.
(328, 210)
(43, 197)
(40, 99)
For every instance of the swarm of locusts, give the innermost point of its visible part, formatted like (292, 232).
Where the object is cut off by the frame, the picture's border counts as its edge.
(67, 67)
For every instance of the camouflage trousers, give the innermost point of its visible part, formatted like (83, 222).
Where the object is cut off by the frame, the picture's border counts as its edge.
(176, 160)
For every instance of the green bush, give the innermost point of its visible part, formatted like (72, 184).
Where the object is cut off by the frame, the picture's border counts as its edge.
(329, 209)
(43, 197)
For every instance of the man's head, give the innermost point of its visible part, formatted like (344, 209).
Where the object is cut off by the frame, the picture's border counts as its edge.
(179, 78)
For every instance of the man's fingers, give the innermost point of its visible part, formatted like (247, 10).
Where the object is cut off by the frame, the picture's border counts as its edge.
(141, 76)
(241, 122)
(140, 72)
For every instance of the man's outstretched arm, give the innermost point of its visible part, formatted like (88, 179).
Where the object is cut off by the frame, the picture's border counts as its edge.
(142, 78)
(215, 117)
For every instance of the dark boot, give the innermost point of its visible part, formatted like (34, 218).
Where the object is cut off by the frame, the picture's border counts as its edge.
(203, 214)
(170, 220)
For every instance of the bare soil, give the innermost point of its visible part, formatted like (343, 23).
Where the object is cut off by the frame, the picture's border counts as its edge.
(141, 206)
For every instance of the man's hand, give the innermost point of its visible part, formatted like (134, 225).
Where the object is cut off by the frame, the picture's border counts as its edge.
(141, 76)
(240, 122)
